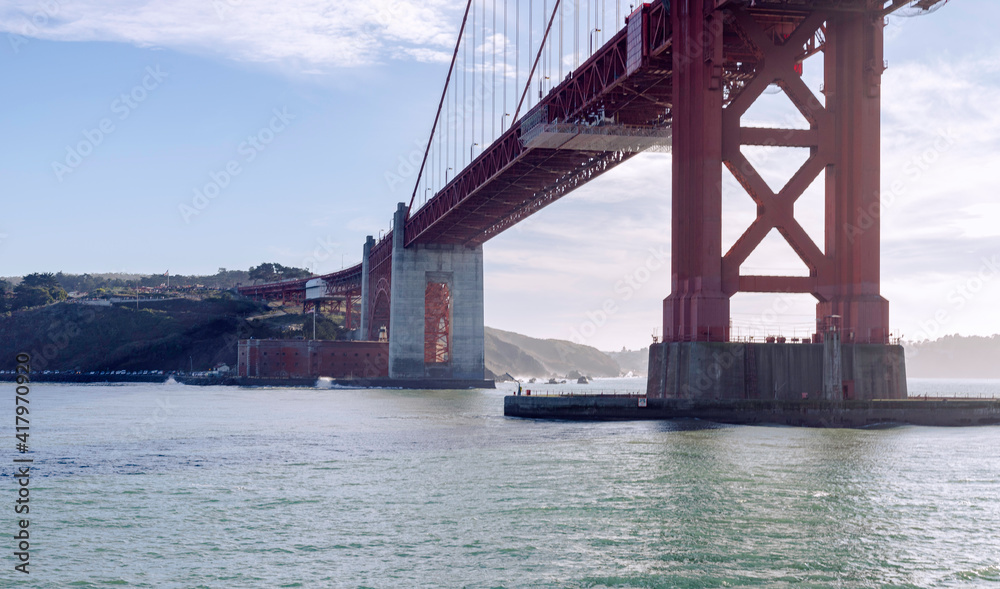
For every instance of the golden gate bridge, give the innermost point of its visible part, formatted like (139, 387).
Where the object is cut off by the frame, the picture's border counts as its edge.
(543, 96)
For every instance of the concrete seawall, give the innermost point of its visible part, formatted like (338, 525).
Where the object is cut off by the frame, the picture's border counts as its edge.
(807, 413)
(348, 383)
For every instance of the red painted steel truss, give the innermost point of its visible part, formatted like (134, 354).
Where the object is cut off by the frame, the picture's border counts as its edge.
(437, 323)
(379, 287)
(290, 291)
(343, 293)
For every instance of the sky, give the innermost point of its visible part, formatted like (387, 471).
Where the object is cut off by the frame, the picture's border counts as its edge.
(191, 135)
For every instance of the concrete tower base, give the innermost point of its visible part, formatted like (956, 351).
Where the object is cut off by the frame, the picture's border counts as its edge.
(711, 370)
(413, 268)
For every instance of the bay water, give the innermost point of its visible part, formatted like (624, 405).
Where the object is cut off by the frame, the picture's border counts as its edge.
(142, 485)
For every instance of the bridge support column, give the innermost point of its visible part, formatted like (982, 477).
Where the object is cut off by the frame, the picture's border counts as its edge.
(436, 319)
(853, 70)
(697, 308)
(365, 287)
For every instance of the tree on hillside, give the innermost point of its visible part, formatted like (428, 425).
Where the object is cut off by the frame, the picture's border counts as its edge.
(45, 280)
(272, 271)
(5, 291)
(38, 289)
(31, 296)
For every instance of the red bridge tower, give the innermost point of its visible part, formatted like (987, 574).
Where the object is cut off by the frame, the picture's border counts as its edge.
(725, 54)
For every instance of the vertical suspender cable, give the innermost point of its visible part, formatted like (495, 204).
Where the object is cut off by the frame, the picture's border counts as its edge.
(576, 34)
(465, 101)
(527, 85)
(472, 119)
(503, 121)
(438, 115)
(437, 170)
(482, 84)
(561, 15)
(493, 95)
(548, 61)
(449, 124)
(530, 44)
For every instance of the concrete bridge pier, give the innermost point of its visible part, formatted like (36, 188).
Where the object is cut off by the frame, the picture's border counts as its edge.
(830, 371)
(365, 328)
(436, 330)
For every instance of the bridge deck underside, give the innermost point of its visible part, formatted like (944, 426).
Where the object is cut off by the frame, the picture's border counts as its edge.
(528, 184)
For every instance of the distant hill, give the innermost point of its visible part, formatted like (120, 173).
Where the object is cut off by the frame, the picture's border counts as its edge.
(634, 361)
(954, 356)
(520, 355)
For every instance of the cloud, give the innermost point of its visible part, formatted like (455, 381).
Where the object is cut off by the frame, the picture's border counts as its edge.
(304, 35)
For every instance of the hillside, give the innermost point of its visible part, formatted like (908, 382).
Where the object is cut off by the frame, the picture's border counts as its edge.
(168, 335)
(524, 356)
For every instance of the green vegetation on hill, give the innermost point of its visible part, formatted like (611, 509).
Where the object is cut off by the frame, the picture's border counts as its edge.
(523, 356)
(34, 290)
(176, 334)
(166, 335)
(272, 272)
(113, 281)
